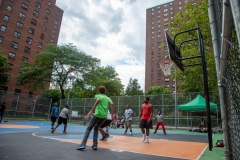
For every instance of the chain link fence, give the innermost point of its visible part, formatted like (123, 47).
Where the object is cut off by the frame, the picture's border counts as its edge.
(79, 107)
(228, 23)
(25, 106)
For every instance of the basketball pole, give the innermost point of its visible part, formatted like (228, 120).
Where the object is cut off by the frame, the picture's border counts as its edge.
(175, 83)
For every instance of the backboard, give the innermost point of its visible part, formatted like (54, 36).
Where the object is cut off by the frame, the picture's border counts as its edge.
(174, 55)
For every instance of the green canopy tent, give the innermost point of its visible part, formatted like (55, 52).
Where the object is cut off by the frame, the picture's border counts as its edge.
(198, 105)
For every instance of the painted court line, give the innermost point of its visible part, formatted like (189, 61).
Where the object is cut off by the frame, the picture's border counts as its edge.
(17, 126)
(156, 147)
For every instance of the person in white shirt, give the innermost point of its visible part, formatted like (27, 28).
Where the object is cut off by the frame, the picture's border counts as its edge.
(128, 119)
(106, 124)
(63, 118)
(160, 122)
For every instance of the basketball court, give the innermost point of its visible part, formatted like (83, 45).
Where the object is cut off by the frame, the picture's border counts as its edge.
(34, 139)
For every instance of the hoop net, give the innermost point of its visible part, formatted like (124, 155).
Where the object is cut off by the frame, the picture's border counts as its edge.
(166, 67)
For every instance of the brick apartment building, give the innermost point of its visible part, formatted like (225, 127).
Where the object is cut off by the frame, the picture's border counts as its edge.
(26, 27)
(157, 19)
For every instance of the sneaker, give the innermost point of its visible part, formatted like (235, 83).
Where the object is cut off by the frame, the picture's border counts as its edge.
(143, 139)
(53, 130)
(107, 135)
(81, 146)
(146, 140)
(94, 146)
(125, 133)
(102, 139)
(64, 132)
(154, 132)
(130, 133)
(165, 133)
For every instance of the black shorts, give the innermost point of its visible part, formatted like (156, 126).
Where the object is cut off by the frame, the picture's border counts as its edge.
(62, 120)
(53, 119)
(145, 124)
(106, 123)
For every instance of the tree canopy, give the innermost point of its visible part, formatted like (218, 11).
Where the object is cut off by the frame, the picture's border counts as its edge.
(54, 65)
(4, 68)
(133, 88)
(100, 76)
(155, 90)
(192, 79)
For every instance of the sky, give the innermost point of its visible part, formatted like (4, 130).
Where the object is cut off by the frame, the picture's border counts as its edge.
(112, 30)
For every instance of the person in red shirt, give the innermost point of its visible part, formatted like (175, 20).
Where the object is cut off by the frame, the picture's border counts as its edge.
(145, 119)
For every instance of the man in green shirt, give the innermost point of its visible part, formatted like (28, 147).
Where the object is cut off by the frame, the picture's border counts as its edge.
(100, 110)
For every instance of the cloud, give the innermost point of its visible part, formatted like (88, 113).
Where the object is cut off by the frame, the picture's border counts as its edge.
(112, 30)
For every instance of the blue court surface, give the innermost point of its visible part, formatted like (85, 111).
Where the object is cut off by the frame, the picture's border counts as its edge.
(23, 140)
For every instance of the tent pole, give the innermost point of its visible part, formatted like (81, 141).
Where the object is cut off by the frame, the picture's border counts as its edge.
(191, 120)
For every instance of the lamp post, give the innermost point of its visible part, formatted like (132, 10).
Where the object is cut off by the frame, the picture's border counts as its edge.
(175, 95)
(70, 77)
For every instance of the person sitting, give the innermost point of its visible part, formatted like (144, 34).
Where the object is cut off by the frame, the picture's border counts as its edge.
(202, 126)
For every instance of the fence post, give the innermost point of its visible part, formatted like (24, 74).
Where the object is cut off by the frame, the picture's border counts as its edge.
(70, 110)
(50, 107)
(34, 106)
(85, 106)
(16, 106)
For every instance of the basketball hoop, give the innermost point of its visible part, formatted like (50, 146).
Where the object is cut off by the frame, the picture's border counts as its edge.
(166, 67)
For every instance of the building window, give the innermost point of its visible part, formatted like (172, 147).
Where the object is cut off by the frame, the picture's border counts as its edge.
(159, 26)
(152, 32)
(152, 75)
(6, 18)
(11, 55)
(180, 3)
(17, 91)
(31, 31)
(29, 40)
(34, 22)
(38, 5)
(165, 14)
(45, 19)
(24, 6)
(152, 37)
(49, 4)
(159, 74)
(152, 22)
(55, 27)
(170, 3)
(152, 58)
(17, 34)
(165, 5)
(152, 47)
(165, 10)
(159, 51)
(167, 80)
(11, 1)
(52, 41)
(152, 69)
(159, 57)
(152, 27)
(55, 22)
(39, 45)
(22, 15)
(173, 85)
(180, 8)
(159, 36)
(19, 25)
(26, 50)
(159, 80)
(171, 12)
(35, 13)
(1, 39)
(158, 21)
(167, 86)
(171, 8)
(9, 8)
(152, 53)
(44, 28)
(53, 31)
(14, 45)
(3, 28)
(42, 36)
(24, 59)
(10, 66)
(48, 11)
(152, 9)
(152, 13)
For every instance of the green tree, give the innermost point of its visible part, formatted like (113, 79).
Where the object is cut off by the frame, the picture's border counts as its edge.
(133, 88)
(55, 94)
(155, 90)
(192, 79)
(4, 68)
(54, 65)
(100, 76)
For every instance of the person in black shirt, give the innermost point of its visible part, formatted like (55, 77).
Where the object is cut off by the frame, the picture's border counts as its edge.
(2, 109)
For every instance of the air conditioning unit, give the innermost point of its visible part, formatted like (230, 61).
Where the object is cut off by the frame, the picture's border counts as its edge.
(15, 47)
